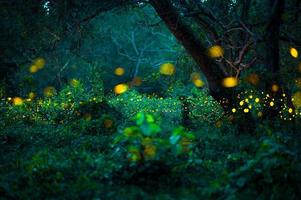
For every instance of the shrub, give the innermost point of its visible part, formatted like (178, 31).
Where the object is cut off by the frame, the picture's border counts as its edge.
(147, 148)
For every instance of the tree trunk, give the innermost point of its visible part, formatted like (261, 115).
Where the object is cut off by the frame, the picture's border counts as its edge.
(272, 58)
(214, 75)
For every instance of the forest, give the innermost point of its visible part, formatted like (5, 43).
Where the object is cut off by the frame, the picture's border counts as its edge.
(150, 99)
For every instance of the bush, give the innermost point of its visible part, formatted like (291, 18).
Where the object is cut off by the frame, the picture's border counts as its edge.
(145, 146)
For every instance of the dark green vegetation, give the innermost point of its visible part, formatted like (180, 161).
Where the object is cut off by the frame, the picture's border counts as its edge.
(158, 99)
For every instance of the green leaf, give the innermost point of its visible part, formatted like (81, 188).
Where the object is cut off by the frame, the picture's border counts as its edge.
(149, 118)
(154, 128)
(140, 117)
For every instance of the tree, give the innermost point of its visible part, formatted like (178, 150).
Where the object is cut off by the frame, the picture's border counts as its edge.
(251, 33)
(235, 26)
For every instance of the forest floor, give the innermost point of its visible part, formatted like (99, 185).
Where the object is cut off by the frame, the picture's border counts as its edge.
(87, 158)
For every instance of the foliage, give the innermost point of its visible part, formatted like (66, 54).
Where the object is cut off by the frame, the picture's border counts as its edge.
(68, 132)
(132, 102)
(146, 141)
(203, 108)
(274, 168)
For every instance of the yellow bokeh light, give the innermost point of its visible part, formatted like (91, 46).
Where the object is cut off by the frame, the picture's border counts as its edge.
(167, 69)
(241, 103)
(259, 114)
(294, 52)
(275, 88)
(120, 88)
(40, 62)
(119, 71)
(215, 51)
(33, 69)
(230, 82)
(246, 110)
(17, 101)
(257, 100)
(198, 83)
(290, 110)
(49, 91)
(37, 64)
(31, 95)
(272, 103)
(234, 110)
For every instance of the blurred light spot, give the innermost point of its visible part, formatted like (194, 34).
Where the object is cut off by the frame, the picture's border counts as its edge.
(297, 99)
(275, 88)
(198, 83)
(150, 151)
(120, 88)
(257, 100)
(195, 76)
(259, 114)
(246, 110)
(230, 82)
(49, 91)
(253, 79)
(119, 71)
(234, 110)
(108, 123)
(137, 81)
(294, 52)
(218, 124)
(17, 101)
(33, 69)
(31, 95)
(215, 51)
(196, 79)
(231, 118)
(298, 82)
(290, 110)
(272, 103)
(39, 62)
(74, 82)
(167, 69)
(241, 103)
(185, 143)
